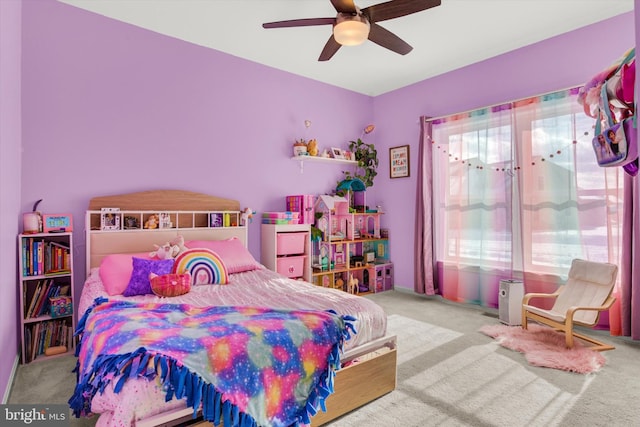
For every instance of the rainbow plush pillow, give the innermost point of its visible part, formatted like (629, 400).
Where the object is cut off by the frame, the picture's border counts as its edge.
(204, 266)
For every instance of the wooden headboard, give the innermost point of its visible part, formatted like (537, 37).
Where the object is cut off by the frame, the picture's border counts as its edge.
(180, 203)
(168, 200)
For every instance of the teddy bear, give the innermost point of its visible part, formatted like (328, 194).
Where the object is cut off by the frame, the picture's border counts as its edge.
(152, 222)
(312, 147)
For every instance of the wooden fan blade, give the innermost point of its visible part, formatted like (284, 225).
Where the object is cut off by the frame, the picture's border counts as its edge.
(387, 39)
(397, 8)
(330, 49)
(344, 6)
(299, 22)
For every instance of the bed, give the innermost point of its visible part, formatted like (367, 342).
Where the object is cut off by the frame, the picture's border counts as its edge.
(368, 362)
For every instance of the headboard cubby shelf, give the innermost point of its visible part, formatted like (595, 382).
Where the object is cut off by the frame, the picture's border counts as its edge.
(136, 220)
(195, 216)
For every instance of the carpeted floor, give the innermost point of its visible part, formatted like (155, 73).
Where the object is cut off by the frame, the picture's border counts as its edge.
(449, 374)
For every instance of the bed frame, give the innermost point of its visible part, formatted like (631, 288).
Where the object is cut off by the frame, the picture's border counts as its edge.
(371, 368)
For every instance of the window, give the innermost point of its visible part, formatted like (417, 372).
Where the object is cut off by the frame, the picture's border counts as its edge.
(517, 187)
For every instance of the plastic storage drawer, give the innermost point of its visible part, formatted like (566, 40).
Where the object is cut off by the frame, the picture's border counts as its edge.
(291, 266)
(291, 243)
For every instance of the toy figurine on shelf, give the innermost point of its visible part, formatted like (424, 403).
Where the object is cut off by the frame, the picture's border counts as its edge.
(352, 285)
(152, 222)
(246, 216)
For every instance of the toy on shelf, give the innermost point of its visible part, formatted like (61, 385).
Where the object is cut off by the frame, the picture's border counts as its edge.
(352, 285)
(246, 216)
(312, 147)
(354, 190)
(152, 222)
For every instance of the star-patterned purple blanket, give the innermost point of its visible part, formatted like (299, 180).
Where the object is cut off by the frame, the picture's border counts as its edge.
(243, 366)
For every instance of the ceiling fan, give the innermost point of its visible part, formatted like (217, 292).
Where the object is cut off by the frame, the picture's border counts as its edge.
(352, 25)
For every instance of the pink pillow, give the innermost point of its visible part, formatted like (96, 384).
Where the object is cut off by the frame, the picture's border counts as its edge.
(116, 269)
(235, 256)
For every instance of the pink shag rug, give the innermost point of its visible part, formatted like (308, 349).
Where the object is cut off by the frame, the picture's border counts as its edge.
(542, 346)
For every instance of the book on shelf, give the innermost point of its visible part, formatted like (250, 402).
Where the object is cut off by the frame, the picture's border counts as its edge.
(40, 256)
(27, 342)
(40, 301)
(42, 335)
(34, 298)
(41, 298)
(58, 255)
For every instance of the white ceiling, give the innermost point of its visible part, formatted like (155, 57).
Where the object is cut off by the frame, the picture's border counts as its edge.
(455, 34)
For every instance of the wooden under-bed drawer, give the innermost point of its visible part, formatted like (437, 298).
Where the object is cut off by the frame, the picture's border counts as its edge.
(361, 382)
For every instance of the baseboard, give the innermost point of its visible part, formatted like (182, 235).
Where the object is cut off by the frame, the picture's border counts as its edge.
(7, 391)
(493, 312)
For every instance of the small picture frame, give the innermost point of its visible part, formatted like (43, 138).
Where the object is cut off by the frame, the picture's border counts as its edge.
(131, 223)
(337, 153)
(110, 219)
(399, 165)
(165, 220)
(215, 219)
(369, 257)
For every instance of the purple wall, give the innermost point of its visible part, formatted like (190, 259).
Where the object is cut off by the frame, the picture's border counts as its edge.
(10, 136)
(112, 108)
(557, 63)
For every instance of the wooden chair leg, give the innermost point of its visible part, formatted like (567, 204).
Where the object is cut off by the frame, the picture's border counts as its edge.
(568, 338)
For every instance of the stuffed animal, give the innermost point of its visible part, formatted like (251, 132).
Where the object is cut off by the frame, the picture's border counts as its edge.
(152, 222)
(246, 216)
(312, 147)
(166, 251)
(178, 245)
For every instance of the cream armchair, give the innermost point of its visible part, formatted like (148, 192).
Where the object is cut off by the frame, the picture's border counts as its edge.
(579, 302)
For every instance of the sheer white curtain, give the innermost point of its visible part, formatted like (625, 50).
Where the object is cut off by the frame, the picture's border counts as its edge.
(518, 194)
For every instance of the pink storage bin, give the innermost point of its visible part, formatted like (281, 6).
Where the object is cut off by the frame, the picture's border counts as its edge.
(291, 266)
(290, 243)
(302, 204)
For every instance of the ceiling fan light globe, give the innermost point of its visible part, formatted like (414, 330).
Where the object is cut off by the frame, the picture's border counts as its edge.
(351, 33)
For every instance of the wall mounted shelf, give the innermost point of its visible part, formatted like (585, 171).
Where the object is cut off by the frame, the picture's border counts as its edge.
(302, 159)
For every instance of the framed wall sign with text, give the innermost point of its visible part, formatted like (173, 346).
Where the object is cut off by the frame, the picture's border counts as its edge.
(399, 162)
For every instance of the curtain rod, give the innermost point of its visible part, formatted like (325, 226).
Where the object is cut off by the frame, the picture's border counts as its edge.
(430, 119)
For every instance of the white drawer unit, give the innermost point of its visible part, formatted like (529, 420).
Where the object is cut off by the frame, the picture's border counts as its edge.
(286, 248)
